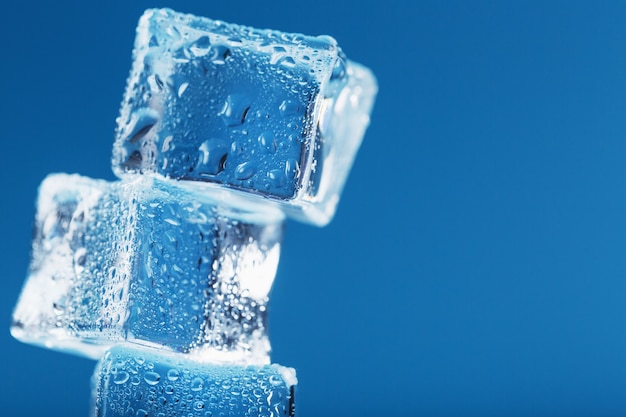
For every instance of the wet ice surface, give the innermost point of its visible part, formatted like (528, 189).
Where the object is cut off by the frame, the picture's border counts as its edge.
(273, 114)
(130, 382)
(223, 130)
(146, 261)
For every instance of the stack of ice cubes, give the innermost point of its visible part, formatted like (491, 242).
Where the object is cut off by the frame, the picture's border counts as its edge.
(165, 274)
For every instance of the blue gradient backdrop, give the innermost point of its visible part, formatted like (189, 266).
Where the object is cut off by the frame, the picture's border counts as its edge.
(476, 265)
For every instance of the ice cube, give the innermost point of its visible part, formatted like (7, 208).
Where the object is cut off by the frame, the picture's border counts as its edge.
(277, 115)
(130, 382)
(146, 261)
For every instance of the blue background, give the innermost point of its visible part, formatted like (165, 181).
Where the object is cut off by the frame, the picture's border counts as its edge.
(476, 265)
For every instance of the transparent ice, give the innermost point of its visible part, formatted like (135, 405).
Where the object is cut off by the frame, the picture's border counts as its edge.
(148, 261)
(223, 130)
(131, 382)
(280, 116)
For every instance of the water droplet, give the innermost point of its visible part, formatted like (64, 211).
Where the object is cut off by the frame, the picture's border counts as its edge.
(121, 377)
(142, 121)
(173, 222)
(275, 380)
(173, 374)
(173, 32)
(201, 46)
(235, 110)
(339, 70)
(267, 140)
(182, 88)
(338, 78)
(276, 177)
(167, 144)
(292, 168)
(287, 61)
(277, 56)
(212, 157)
(152, 378)
(80, 257)
(245, 170)
(219, 54)
(288, 107)
(59, 306)
(141, 413)
(155, 83)
(197, 384)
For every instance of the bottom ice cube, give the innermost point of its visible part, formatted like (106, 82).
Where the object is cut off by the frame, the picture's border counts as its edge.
(132, 382)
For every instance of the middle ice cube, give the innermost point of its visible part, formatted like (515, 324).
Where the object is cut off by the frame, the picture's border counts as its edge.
(144, 261)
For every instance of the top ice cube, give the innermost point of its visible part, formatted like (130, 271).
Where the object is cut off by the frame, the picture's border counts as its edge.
(279, 116)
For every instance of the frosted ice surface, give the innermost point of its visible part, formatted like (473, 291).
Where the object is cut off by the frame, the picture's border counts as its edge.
(274, 114)
(146, 261)
(129, 382)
